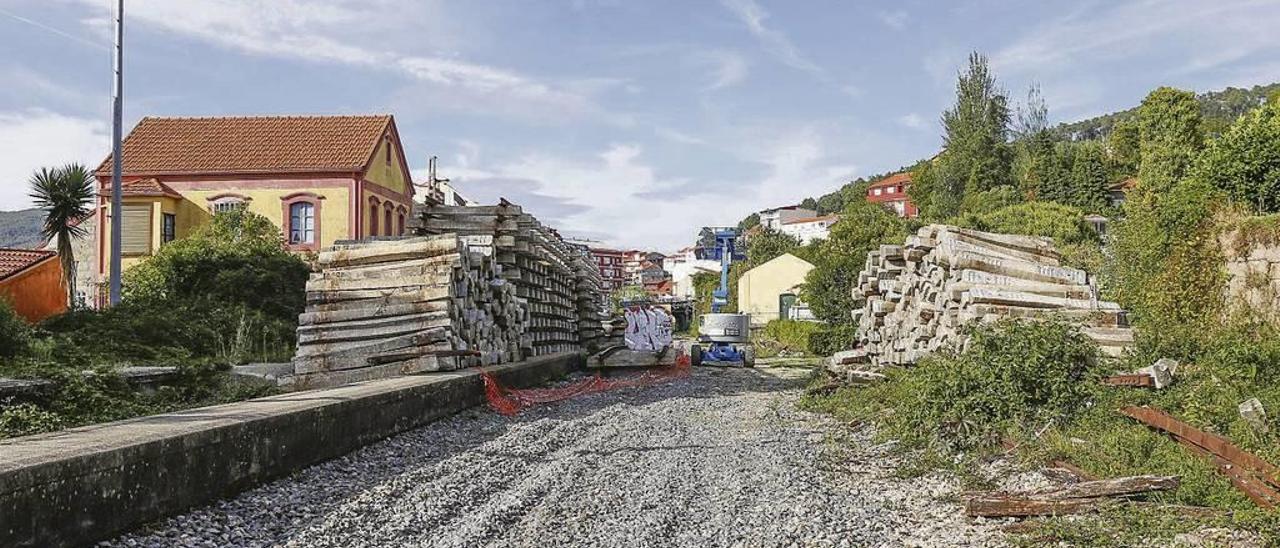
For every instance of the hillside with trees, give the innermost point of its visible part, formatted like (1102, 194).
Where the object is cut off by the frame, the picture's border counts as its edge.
(21, 228)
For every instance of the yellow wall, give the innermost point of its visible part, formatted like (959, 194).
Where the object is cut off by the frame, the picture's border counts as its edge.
(335, 209)
(389, 176)
(760, 287)
(159, 205)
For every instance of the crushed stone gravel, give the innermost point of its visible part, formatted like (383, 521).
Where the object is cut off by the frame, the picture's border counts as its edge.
(722, 458)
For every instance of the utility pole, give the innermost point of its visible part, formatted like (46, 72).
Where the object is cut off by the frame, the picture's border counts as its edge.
(117, 108)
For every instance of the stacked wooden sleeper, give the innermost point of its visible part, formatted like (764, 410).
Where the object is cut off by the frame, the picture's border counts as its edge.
(914, 299)
(385, 308)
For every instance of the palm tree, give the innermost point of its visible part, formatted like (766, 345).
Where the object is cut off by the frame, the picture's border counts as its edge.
(65, 193)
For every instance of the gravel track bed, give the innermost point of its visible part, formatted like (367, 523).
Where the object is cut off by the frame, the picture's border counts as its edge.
(719, 459)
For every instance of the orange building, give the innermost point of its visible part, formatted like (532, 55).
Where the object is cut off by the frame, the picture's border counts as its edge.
(31, 280)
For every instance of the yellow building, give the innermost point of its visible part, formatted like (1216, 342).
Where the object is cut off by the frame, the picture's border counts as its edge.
(319, 178)
(766, 291)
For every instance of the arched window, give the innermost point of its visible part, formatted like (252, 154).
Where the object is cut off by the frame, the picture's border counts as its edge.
(373, 216)
(302, 220)
(387, 217)
(400, 219)
(222, 203)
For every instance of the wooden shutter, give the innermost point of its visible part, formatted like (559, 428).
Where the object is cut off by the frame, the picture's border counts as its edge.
(135, 229)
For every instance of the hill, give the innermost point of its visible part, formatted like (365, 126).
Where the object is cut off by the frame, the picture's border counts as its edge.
(1217, 108)
(21, 228)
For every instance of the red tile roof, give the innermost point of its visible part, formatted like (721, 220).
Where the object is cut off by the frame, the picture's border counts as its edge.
(903, 178)
(143, 187)
(13, 261)
(250, 144)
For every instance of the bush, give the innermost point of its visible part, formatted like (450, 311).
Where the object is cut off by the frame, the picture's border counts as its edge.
(863, 226)
(236, 261)
(784, 335)
(1013, 376)
(1065, 224)
(15, 334)
(829, 339)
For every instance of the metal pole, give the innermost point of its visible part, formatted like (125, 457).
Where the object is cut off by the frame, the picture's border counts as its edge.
(116, 114)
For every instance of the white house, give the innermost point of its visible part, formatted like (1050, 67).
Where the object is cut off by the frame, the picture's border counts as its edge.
(774, 219)
(808, 229)
(682, 275)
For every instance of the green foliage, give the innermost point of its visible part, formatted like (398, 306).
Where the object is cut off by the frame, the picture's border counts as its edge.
(988, 201)
(751, 221)
(1170, 137)
(236, 260)
(837, 260)
(1065, 224)
(829, 339)
(626, 293)
(977, 156)
(65, 194)
(1124, 153)
(1245, 161)
(15, 334)
(1089, 178)
(768, 245)
(789, 336)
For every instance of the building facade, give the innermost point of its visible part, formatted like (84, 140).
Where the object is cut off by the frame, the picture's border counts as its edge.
(808, 229)
(891, 192)
(31, 281)
(319, 178)
(768, 292)
(609, 261)
(773, 219)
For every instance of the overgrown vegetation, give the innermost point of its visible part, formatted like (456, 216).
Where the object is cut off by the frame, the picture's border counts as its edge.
(228, 294)
(784, 337)
(1036, 385)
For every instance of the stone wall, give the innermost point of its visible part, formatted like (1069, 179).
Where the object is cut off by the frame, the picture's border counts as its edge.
(1253, 272)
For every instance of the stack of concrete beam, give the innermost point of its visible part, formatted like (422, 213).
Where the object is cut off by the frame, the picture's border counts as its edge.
(587, 299)
(535, 260)
(915, 298)
(392, 307)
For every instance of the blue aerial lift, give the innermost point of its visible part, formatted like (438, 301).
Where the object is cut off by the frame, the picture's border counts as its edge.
(728, 336)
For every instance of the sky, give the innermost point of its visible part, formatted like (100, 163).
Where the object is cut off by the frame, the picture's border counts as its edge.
(632, 123)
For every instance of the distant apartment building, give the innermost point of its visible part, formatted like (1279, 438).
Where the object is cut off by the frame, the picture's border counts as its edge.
(609, 261)
(808, 229)
(634, 261)
(774, 219)
(891, 192)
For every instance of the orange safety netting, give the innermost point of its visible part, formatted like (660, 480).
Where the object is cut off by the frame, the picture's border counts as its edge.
(509, 401)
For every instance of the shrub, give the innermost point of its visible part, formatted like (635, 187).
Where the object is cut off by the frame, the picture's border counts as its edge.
(785, 335)
(1012, 376)
(15, 334)
(1065, 224)
(238, 260)
(829, 339)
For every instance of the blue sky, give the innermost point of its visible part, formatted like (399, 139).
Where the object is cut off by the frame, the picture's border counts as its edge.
(630, 122)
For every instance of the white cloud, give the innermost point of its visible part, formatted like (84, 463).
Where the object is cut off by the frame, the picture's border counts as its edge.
(774, 41)
(726, 68)
(1211, 33)
(896, 20)
(36, 138)
(913, 121)
(294, 29)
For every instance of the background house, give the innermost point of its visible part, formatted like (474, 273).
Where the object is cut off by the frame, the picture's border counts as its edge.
(773, 219)
(609, 263)
(808, 229)
(891, 192)
(31, 280)
(319, 178)
(768, 291)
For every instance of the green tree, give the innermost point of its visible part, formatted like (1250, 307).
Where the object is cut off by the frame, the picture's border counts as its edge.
(238, 259)
(809, 203)
(65, 193)
(1089, 178)
(1170, 137)
(1064, 223)
(863, 227)
(1245, 161)
(1124, 155)
(768, 245)
(977, 154)
(749, 222)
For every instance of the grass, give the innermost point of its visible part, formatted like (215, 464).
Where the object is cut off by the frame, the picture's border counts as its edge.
(952, 411)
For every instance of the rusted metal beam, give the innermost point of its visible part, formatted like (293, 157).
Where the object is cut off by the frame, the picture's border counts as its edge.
(1130, 379)
(1246, 471)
